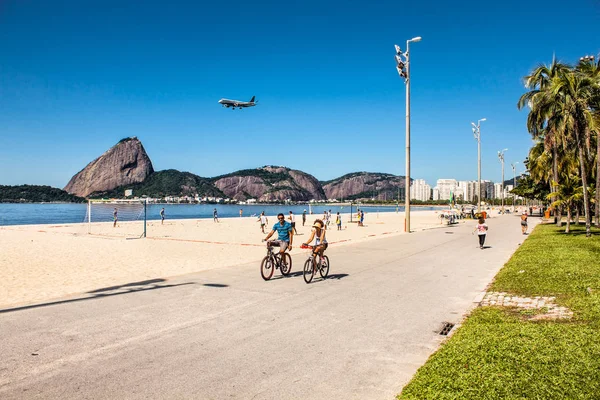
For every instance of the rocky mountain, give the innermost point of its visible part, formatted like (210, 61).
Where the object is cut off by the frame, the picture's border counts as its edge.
(358, 185)
(123, 164)
(169, 182)
(270, 184)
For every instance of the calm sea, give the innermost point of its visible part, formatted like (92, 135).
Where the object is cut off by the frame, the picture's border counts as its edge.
(27, 214)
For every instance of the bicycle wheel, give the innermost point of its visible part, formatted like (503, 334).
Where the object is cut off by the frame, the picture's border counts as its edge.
(309, 270)
(286, 264)
(266, 268)
(324, 270)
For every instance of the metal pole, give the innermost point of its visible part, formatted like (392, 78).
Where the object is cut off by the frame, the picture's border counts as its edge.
(145, 213)
(478, 171)
(514, 186)
(407, 182)
(502, 159)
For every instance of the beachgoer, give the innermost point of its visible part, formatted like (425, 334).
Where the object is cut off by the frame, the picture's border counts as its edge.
(318, 233)
(263, 221)
(285, 235)
(162, 216)
(292, 219)
(524, 222)
(215, 216)
(362, 218)
(241, 212)
(303, 217)
(115, 218)
(481, 230)
(338, 221)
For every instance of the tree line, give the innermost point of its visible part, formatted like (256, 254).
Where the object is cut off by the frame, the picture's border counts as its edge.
(564, 118)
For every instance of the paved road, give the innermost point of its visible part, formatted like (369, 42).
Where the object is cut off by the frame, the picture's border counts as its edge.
(227, 334)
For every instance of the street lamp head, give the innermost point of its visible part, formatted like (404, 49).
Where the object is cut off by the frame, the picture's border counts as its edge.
(398, 50)
(474, 126)
(483, 119)
(415, 39)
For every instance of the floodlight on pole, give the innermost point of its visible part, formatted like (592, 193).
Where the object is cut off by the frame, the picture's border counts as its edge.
(501, 158)
(403, 68)
(477, 135)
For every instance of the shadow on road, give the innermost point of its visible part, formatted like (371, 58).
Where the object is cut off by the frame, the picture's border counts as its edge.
(131, 288)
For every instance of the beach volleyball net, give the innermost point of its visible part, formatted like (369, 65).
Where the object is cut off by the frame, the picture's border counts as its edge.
(125, 218)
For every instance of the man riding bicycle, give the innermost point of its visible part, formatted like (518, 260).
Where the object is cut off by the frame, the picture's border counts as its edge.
(285, 235)
(318, 233)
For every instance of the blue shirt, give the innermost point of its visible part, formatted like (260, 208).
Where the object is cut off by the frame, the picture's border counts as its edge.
(283, 231)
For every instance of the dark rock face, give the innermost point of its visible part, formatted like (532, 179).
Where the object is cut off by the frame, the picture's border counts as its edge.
(123, 164)
(364, 185)
(270, 184)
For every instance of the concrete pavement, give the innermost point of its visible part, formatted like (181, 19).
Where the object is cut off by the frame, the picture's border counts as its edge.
(225, 333)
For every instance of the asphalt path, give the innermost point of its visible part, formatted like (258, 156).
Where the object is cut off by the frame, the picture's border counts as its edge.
(227, 334)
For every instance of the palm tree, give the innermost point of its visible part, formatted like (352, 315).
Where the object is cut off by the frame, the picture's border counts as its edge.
(568, 193)
(591, 70)
(568, 99)
(537, 121)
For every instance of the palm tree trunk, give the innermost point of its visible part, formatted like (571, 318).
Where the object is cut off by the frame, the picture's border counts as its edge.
(597, 205)
(577, 208)
(586, 200)
(568, 229)
(558, 210)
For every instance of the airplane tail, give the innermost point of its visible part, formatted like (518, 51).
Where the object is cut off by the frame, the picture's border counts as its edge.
(252, 99)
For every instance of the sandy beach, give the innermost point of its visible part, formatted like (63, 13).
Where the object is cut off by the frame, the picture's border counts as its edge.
(39, 263)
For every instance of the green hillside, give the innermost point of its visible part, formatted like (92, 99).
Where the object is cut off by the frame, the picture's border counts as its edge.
(169, 182)
(36, 194)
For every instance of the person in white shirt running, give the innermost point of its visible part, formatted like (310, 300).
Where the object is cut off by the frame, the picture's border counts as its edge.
(292, 219)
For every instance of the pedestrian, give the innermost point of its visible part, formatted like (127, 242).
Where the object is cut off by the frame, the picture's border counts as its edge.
(524, 223)
(481, 230)
(115, 218)
(292, 219)
(303, 217)
(362, 218)
(241, 212)
(215, 216)
(263, 221)
(162, 216)
(338, 221)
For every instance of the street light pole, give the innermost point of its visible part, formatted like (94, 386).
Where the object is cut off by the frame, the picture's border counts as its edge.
(477, 134)
(403, 67)
(514, 168)
(501, 157)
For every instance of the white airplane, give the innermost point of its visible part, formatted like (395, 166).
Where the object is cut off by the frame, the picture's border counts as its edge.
(236, 103)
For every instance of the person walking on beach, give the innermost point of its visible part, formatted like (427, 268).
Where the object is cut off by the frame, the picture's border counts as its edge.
(524, 223)
(303, 217)
(292, 219)
(215, 216)
(162, 216)
(115, 218)
(481, 230)
(263, 221)
(362, 218)
(241, 212)
(338, 221)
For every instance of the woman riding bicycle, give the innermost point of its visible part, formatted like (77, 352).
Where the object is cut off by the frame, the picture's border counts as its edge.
(318, 233)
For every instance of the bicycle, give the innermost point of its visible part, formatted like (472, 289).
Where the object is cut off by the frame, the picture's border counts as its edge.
(272, 261)
(310, 268)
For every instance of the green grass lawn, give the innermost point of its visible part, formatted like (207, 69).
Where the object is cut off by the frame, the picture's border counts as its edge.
(499, 354)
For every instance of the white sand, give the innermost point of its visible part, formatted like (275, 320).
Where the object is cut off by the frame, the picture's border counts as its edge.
(39, 263)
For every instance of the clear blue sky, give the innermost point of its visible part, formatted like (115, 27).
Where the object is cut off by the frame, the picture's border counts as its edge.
(78, 76)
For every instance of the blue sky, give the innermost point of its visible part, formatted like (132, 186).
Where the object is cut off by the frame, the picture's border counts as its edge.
(78, 76)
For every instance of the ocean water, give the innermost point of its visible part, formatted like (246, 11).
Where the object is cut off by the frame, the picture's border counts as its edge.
(27, 214)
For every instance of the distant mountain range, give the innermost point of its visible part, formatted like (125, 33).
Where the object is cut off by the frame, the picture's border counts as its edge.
(126, 165)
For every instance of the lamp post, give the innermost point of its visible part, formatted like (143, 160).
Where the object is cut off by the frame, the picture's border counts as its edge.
(403, 68)
(514, 168)
(501, 157)
(477, 135)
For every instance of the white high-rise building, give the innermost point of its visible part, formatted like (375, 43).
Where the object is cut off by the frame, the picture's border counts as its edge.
(497, 190)
(420, 190)
(469, 189)
(435, 194)
(445, 187)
